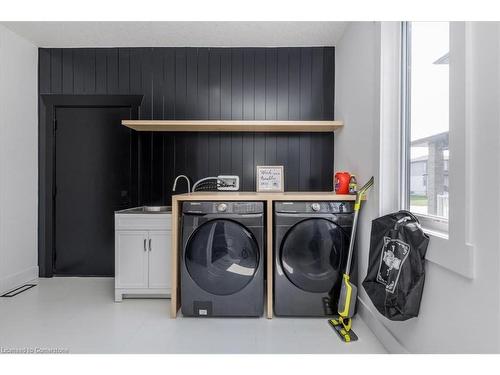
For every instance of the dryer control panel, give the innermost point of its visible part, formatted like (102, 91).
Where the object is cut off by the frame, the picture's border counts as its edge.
(337, 207)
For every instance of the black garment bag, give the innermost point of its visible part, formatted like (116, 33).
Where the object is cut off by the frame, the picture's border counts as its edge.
(396, 272)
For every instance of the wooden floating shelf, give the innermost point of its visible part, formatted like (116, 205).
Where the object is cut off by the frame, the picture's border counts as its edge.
(232, 126)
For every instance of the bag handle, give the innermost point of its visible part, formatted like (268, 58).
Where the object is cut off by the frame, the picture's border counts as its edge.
(408, 213)
(408, 216)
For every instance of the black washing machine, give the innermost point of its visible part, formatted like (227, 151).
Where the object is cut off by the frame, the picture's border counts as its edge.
(222, 263)
(311, 242)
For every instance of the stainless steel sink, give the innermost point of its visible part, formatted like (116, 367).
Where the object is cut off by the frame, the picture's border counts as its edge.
(147, 210)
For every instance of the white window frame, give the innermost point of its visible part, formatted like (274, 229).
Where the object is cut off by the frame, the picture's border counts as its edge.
(455, 250)
(431, 223)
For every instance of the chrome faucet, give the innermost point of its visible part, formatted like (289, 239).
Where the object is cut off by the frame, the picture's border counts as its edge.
(187, 179)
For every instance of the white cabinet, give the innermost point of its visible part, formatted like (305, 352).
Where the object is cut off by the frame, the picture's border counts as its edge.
(131, 259)
(142, 257)
(159, 259)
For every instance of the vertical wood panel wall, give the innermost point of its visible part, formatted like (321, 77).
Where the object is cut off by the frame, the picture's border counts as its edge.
(211, 83)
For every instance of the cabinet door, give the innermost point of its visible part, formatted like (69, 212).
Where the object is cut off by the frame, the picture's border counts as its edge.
(131, 259)
(160, 259)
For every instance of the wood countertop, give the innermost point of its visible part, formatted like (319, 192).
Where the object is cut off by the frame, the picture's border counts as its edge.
(266, 197)
(263, 196)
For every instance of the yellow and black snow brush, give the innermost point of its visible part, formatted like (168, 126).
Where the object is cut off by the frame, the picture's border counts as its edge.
(349, 292)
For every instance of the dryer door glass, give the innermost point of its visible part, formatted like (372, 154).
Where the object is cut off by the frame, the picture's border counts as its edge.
(222, 257)
(312, 254)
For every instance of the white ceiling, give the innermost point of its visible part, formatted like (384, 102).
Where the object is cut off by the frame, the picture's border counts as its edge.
(179, 34)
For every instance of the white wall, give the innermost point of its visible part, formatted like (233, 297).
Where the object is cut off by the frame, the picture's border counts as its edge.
(458, 314)
(357, 87)
(18, 160)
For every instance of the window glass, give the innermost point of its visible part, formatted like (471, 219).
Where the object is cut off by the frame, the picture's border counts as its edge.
(428, 117)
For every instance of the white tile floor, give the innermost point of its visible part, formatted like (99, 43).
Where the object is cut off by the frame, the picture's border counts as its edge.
(79, 315)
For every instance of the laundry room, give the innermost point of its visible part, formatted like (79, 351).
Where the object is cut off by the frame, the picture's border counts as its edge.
(248, 186)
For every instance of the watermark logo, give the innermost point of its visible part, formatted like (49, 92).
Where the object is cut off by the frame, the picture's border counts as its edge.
(33, 350)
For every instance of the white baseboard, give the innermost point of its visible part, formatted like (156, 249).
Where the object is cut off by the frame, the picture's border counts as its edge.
(387, 339)
(15, 280)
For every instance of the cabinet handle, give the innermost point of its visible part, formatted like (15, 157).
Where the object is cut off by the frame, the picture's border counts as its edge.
(144, 244)
(150, 244)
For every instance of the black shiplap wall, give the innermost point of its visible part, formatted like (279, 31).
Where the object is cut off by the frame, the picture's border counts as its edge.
(211, 83)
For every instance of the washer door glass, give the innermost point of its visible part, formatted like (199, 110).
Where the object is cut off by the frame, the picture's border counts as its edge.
(312, 252)
(222, 257)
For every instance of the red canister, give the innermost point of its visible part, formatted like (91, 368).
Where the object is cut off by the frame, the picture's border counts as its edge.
(342, 182)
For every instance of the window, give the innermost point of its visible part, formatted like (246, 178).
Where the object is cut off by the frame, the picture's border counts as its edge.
(425, 122)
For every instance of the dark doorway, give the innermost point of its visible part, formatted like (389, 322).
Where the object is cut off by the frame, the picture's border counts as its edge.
(93, 179)
(88, 170)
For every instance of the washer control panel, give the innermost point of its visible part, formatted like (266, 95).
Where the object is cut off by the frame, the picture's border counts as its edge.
(223, 207)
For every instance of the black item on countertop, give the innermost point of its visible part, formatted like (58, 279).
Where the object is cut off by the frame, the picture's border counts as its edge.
(210, 185)
(396, 269)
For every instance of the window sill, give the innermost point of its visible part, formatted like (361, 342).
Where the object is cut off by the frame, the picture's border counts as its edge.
(435, 233)
(435, 225)
(455, 257)
(447, 253)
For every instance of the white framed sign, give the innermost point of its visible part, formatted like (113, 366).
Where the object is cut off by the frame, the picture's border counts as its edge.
(270, 178)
